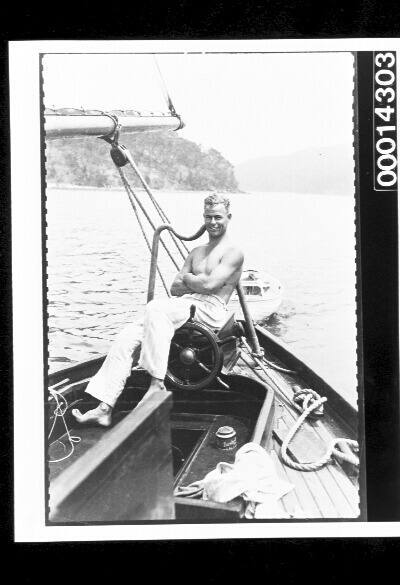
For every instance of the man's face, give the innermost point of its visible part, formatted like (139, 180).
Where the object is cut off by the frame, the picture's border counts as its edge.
(216, 219)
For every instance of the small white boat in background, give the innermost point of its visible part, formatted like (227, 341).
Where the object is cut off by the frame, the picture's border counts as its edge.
(263, 294)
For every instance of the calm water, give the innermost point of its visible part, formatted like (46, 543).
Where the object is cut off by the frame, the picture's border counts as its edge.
(98, 268)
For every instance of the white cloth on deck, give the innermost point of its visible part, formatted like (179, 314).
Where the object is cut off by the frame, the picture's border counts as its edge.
(147, 343)
(252, 476)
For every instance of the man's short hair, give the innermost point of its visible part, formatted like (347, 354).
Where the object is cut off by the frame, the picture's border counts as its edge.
(217, 198)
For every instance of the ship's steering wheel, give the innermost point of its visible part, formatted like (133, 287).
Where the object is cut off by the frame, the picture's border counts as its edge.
(195, 357)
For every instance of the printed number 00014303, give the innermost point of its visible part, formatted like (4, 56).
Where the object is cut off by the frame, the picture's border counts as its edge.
(384, 111)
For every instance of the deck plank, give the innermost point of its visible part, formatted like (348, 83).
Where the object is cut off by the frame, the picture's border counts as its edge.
(335, 482)
(343, 492)
(290, 501)
(307, 503)
(349, 490)
(344, 482)
(310, 490)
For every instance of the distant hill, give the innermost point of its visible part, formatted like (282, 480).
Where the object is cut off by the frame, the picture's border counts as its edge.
(314, 170)
(166, 160)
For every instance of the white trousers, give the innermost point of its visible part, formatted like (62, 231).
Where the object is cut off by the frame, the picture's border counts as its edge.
(147, 343)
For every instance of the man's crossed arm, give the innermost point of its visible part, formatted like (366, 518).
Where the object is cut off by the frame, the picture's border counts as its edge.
(178, 288)
(186, 282)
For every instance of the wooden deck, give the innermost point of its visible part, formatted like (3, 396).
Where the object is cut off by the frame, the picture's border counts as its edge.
(329, 492)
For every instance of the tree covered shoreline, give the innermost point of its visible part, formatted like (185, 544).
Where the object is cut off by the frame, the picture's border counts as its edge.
(166, 160)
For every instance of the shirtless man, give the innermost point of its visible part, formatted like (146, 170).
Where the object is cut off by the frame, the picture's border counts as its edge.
(207, 279)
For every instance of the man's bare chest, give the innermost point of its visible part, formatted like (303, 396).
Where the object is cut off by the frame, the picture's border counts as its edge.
(204, 261)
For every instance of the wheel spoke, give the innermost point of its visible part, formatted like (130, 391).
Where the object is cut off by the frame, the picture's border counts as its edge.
(202, 366)
(202, 349)
(177, 345)
(209, 362)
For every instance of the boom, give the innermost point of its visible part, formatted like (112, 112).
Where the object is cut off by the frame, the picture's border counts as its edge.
(75, 123)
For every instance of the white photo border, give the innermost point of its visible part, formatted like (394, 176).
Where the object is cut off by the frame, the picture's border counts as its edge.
(28, 333)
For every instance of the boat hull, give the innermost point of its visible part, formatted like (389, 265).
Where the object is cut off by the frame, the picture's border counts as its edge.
(259, 309)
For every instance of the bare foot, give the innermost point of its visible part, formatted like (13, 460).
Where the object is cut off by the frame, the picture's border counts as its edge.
(101, 415)
(156, 386)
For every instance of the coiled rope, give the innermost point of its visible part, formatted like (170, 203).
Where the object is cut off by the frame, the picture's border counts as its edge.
(59, 411)
(303, 397)
(306, 401)
(312, 402)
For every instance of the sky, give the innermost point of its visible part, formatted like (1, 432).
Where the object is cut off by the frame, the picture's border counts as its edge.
(244, 105)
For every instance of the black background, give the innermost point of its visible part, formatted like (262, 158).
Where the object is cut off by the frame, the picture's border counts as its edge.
(378, 247)
(213, 561)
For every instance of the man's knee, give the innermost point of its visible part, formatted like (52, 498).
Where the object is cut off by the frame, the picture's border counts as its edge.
(130, 335)
(157, 306)
(173, 311)
(151, 305)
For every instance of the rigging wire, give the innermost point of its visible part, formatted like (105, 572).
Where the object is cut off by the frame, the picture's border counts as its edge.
(164, 89)
(173, 112)
(157, 206)
(131, 191)
(120, 156)
(132, 202)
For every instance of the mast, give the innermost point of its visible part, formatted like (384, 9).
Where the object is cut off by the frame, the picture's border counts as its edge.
(70, 122)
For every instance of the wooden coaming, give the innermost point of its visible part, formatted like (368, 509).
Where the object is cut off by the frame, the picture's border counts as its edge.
(125, 475)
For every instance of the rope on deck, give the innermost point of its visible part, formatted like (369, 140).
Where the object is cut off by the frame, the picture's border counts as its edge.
(59, 411)
(311, 402)
(303, 397)
(332, 450)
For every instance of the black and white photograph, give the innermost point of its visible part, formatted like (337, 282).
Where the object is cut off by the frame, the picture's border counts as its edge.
(200, 309)
(237, 198)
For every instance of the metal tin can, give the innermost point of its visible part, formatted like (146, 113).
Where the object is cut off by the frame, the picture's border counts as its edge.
(226, 438)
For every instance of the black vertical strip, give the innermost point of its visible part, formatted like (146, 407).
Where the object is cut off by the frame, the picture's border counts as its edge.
(378, 244)
(6, 306)
(360, 358)
(44, 281)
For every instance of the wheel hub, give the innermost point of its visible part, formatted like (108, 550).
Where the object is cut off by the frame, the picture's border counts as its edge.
(187, 356)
